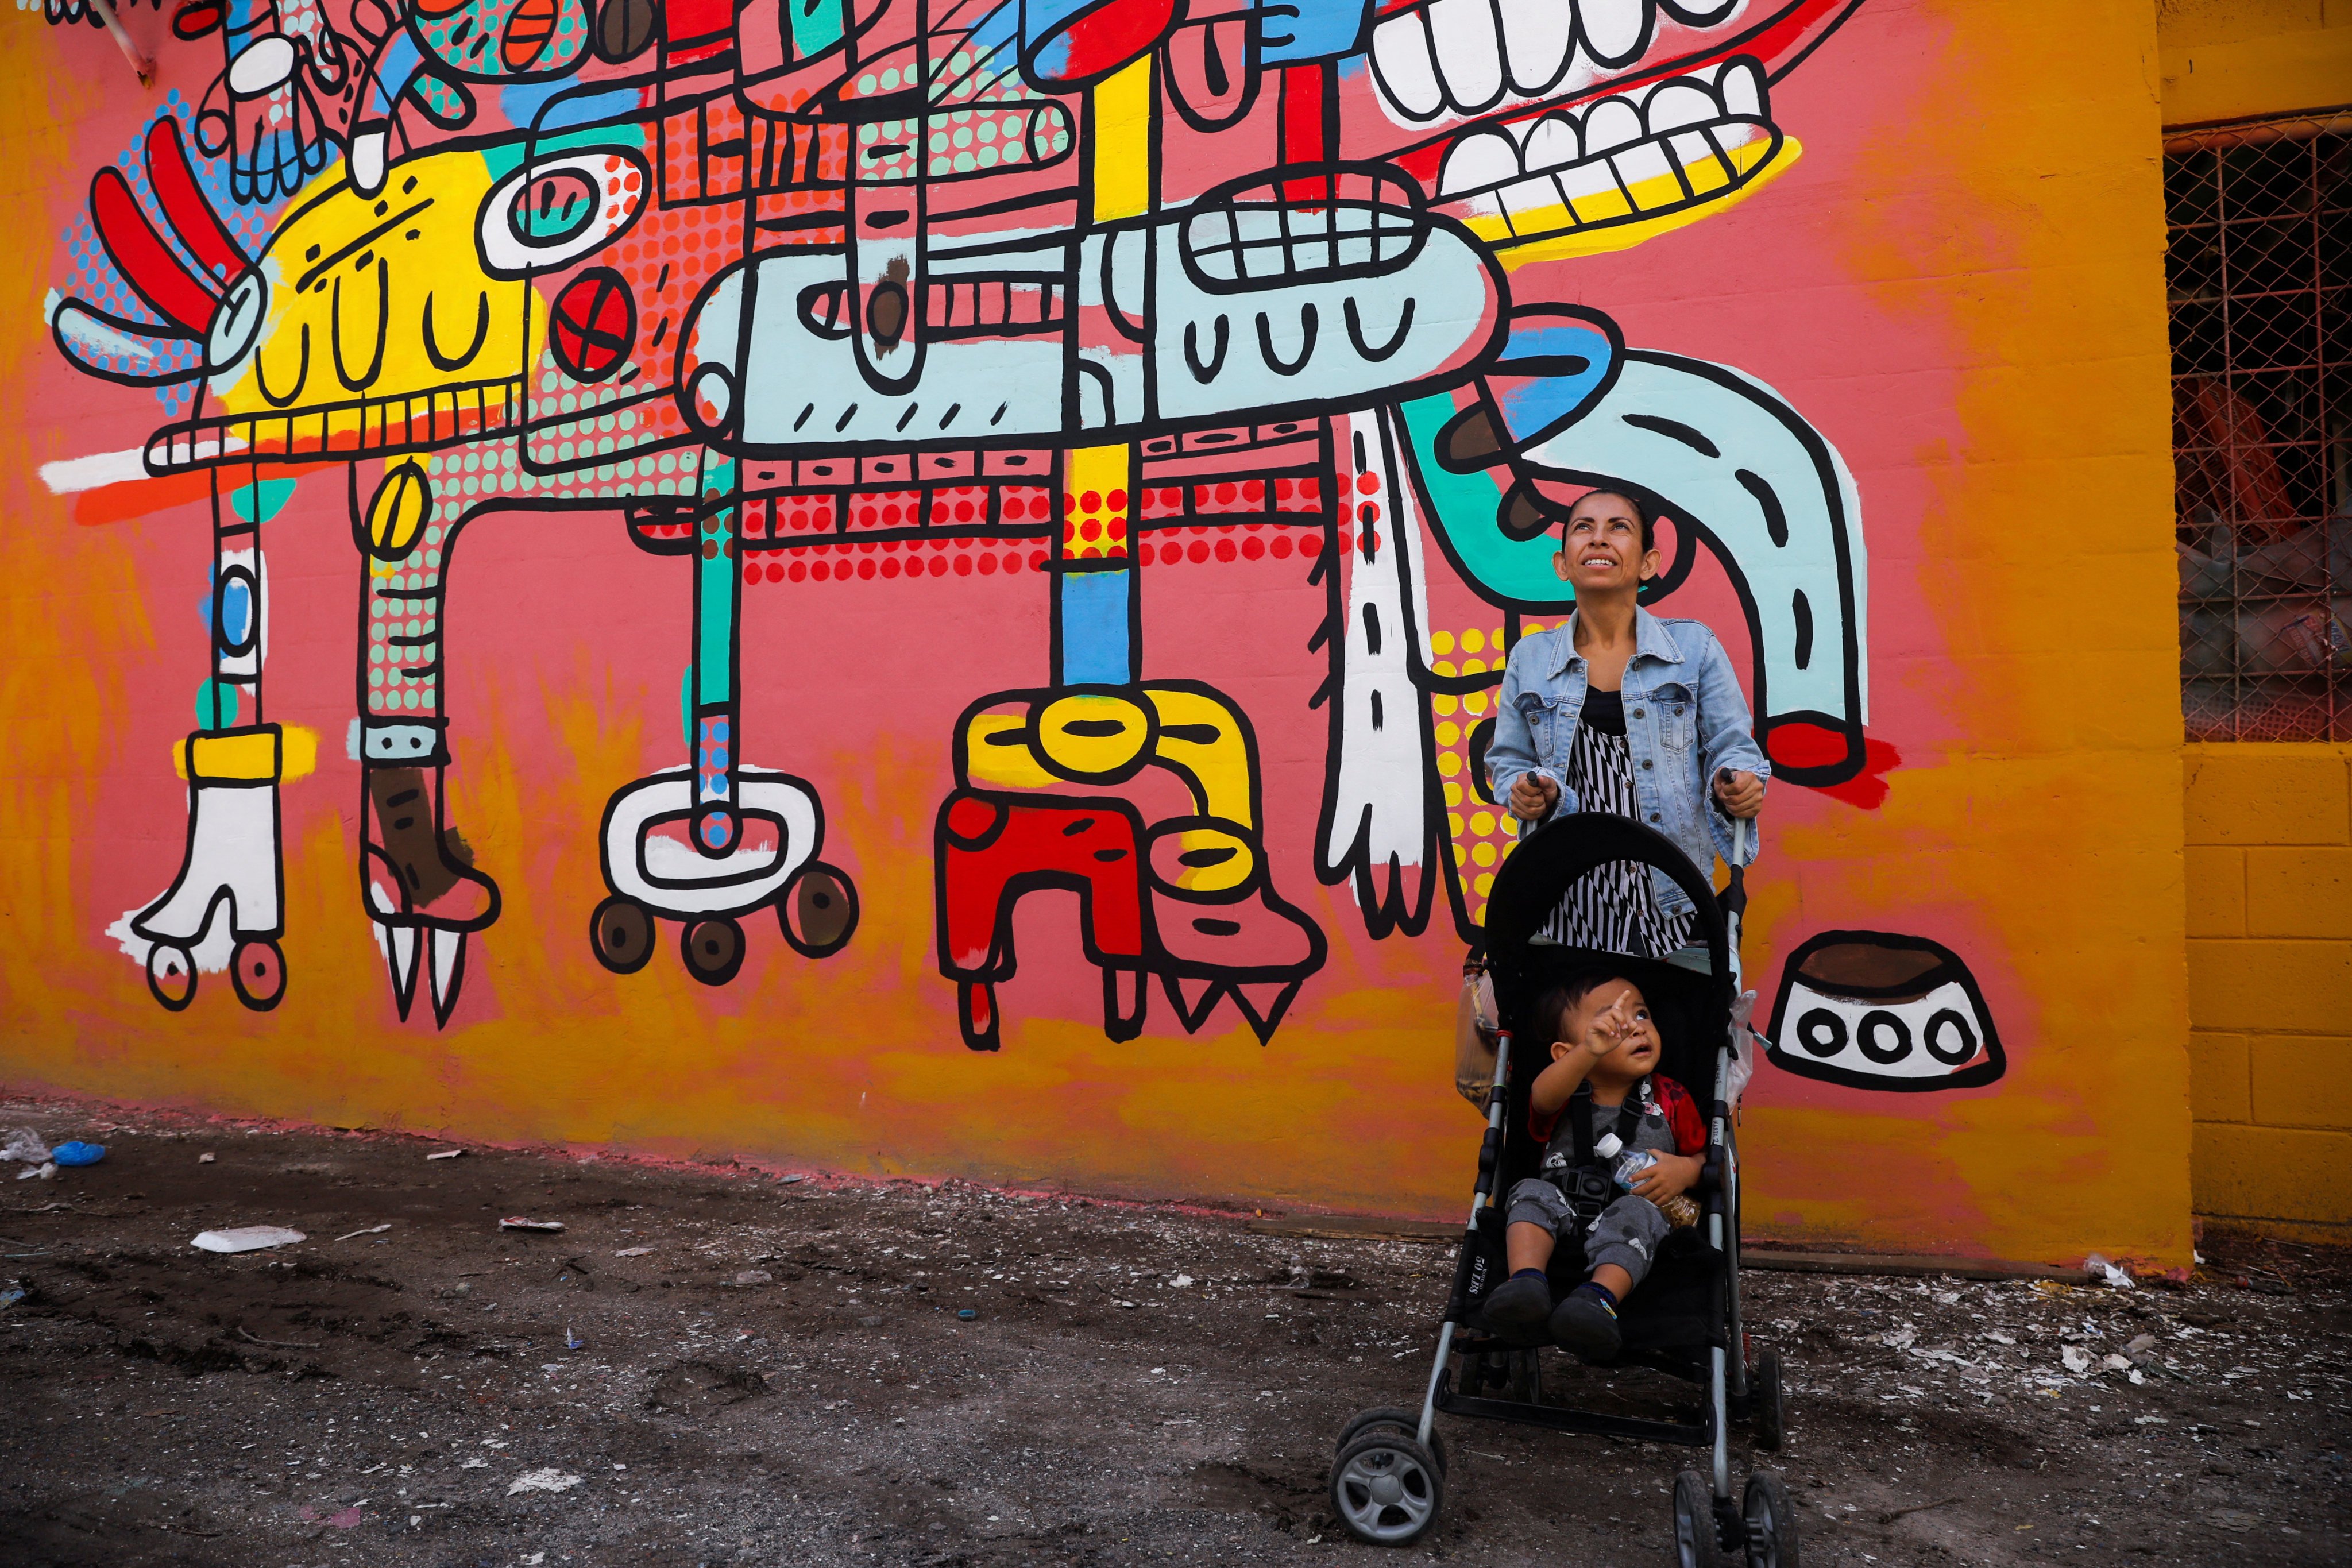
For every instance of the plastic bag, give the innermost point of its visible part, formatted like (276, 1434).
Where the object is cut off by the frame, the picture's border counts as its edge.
(24, 1143)
(1743, 1051)
(1477, 1039)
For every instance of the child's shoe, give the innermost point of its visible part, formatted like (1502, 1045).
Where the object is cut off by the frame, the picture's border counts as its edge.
(1522, 1301)
(1585, 1321)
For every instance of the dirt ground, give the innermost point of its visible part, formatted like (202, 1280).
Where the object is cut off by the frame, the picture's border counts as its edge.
(714, 1366)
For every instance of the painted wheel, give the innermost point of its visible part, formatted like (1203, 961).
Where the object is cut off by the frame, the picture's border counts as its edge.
(1695, 1545)
(257, 969)
(1392, 1418)
(1764, 1402)
(171, 975)
(621, 933)
(1386, 1488)
(819, 911)
(1772, 1521)
(713, 948)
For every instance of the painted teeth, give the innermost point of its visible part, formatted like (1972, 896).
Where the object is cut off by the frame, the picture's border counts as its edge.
(1625, 156)
(1464, 56)
(1741, 86)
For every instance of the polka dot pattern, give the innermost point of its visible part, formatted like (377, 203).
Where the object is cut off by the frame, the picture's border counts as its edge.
(1480, 834)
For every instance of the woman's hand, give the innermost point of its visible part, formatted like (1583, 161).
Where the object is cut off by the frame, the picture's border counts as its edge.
(1672, 1174)
(1740, 794)
(1533, 795)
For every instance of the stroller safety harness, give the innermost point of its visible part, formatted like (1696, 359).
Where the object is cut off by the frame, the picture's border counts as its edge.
(1387, 1479)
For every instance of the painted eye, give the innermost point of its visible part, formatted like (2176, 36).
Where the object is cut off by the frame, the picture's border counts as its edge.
(553, 207)
(554, 211)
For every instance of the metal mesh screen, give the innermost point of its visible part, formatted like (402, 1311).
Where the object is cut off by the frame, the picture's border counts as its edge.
(2259, 264)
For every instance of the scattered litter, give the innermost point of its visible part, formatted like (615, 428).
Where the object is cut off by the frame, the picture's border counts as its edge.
(11, 1296)
(2151, 1421)
(372, 1230)
(206, 1159)
(966, 1313)
(247, 1238)
(1181, 1281)
(45, 1170)
(343, 1518)
(2140, 1345)
(276, 1344)
(572, 1341)
(632, 1252)
(78, 1154)
(788, 1181)
(547, 1480)
(445, 1155)
(24, 1143)
(516, 1222)
(1915, 1508)
(2105, 1273)
(753, 1277)
(2076, 1358)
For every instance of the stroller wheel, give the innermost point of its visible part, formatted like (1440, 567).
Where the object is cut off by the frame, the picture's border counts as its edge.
(1386, 1488)
(1693, 1522)
(1393, 1418)
(1526, 1377)
(1771, 1522)
(1764, 1401)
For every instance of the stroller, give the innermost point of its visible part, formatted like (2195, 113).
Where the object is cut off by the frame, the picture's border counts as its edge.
(1387, 1481)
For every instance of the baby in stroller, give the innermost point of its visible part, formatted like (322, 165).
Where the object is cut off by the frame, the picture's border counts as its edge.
(1602, 1082)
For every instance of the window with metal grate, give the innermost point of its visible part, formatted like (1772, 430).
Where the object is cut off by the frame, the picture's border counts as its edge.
(2259, 265)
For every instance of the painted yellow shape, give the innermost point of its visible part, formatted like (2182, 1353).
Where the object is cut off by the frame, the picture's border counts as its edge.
(1122, 131)
(1605, 222)
(1092, 735)
(1213, 860)
(397, 511)
(1101, 472)
(357, 284)
(991, 763)
(1203, 738)
(247, 758)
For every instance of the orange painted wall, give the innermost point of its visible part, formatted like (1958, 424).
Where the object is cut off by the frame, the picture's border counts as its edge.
(1960, 283)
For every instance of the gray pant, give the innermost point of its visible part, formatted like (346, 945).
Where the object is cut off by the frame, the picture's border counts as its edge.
(1627, 1233)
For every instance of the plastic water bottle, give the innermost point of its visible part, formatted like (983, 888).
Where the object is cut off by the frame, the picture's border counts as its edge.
(1679, 1210)
(1630, 1167)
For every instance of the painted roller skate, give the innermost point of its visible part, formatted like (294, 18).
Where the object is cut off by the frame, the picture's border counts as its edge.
(232, 863)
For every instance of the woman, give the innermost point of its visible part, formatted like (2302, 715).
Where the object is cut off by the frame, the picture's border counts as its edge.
(1618, 709)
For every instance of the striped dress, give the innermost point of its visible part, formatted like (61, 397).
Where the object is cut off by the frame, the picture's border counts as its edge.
(1615, 908)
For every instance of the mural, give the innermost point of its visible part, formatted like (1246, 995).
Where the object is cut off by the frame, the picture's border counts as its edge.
(1042, 289)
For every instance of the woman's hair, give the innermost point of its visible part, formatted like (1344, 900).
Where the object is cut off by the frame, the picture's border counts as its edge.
(1632, 504)
(1553, 1005)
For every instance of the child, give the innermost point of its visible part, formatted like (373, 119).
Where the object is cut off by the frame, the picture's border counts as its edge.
(1603, 1036)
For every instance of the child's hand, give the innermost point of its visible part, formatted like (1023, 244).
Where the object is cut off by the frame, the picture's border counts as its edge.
(1672, 1174)
(1609, 1028)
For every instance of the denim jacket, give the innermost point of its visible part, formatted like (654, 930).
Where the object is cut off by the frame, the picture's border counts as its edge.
(1686, 720)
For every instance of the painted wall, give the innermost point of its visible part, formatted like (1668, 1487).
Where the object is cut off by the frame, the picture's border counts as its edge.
(1030, 553)
(2270, 982)
(2269, 826)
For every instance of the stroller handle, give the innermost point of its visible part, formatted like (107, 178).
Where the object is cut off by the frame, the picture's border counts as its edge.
(1547, 861)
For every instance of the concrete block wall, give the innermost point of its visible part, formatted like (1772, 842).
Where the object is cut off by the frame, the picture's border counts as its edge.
(2268, 848)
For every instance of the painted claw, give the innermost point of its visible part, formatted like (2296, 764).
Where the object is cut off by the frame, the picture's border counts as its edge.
(400, 952)
(449, 950)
